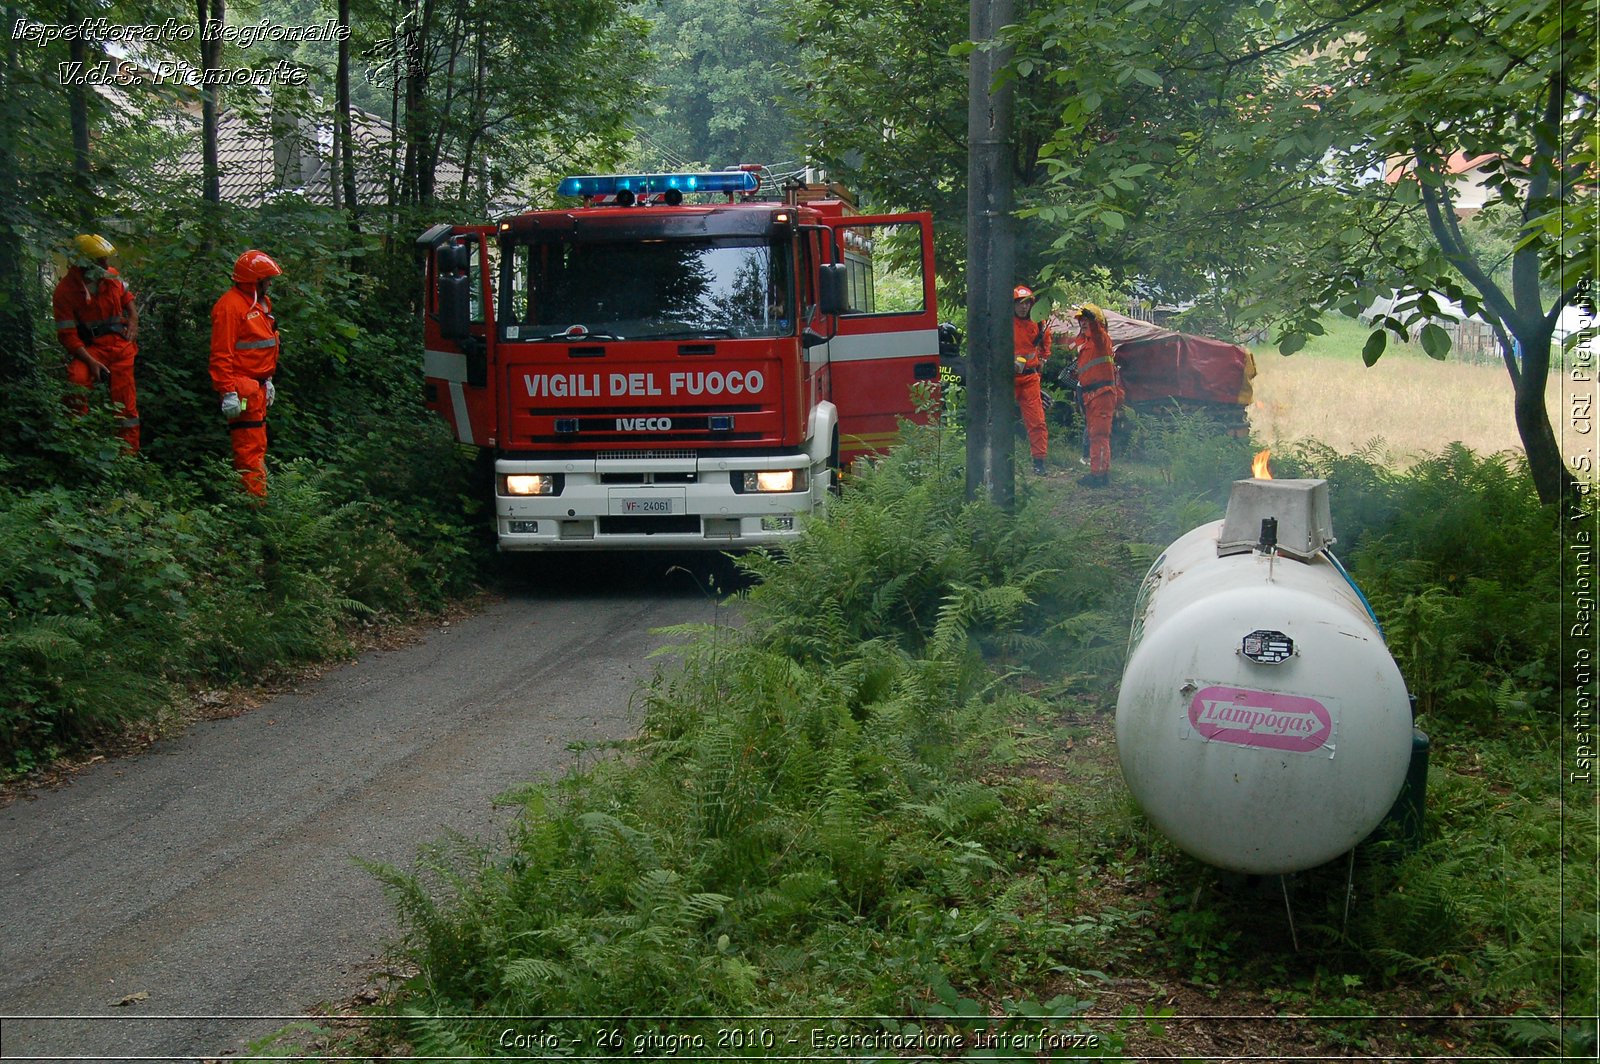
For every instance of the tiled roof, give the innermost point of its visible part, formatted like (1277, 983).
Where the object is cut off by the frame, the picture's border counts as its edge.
(244, 159)
(258, 162)
(252, 172)
(373, 141)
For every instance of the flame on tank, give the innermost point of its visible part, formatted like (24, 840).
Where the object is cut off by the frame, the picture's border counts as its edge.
(1259, 468)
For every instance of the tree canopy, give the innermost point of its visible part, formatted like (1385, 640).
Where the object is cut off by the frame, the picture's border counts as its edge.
(722, 83)
(493, 95)
(1234, 155)
(1260, 162)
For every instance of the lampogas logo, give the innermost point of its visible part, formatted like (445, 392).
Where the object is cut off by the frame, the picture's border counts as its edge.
(1264, 719)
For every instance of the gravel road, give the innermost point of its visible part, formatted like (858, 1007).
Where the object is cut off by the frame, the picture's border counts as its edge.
(211, 882)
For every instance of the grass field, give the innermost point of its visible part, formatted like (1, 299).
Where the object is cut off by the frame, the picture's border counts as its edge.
(1413, 403)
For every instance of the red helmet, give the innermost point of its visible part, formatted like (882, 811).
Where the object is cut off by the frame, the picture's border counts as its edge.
(255, 265)
(1022, 291)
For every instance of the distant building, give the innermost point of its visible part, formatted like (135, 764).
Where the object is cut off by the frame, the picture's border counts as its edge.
(1468, 176)
(259, 159)
(261, 156)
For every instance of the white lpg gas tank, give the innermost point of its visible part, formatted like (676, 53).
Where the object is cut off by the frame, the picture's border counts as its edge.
(1262, 725)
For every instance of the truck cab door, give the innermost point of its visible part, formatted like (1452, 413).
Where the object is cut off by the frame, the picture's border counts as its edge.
(458, 328)
(886, 339)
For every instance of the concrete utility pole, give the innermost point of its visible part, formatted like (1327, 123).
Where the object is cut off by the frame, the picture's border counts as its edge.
(991, 261)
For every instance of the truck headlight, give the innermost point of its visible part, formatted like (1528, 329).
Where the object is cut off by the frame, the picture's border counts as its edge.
(775, 480)
(528, 484)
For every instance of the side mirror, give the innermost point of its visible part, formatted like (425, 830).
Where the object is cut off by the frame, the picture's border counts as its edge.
(833, 289)
(454, 288)
(451, 258)
(949, 341)
(455, 312)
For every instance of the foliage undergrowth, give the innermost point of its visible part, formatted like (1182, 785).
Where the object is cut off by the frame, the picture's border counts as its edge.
(116, 596)
(1461, 565)
(807, 821)
(124, 580)
(874, 797)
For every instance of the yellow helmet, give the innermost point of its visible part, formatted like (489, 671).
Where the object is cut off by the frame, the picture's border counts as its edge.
(93, 246)
(1089, 310)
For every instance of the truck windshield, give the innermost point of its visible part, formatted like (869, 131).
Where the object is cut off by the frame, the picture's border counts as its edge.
(644, 289)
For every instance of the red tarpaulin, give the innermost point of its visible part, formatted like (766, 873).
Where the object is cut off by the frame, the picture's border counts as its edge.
(1158, 363)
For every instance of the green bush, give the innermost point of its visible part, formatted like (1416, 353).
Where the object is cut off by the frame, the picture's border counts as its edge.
(1461, 565)
(821, 815)
(804, 822)
(1487, 907)
(113, 597)
(124, 578)
(88, 598)
(900, 555)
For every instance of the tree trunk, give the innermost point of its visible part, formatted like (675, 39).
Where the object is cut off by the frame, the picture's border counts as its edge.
(1519, 312)
(413, 75)
(1547, 465)
(417, 184)
(343, 137)
(440, 135)
(335, 168)
(83, 192)
(475, 118)
(16, 264)
(394, 131)
(210, 100)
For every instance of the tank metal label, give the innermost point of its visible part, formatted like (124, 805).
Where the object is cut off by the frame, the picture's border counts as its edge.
(1265, 719)
(1267, 647)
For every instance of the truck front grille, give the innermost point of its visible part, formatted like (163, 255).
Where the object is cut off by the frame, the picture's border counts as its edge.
(641, 456)
(648, 478)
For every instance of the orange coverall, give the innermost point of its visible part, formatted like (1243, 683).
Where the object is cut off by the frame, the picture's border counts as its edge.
(1097, 384)
(1030, 342)
(97, 319)
(244, 353)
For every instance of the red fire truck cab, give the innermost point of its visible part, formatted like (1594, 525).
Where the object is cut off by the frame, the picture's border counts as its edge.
(650, 372)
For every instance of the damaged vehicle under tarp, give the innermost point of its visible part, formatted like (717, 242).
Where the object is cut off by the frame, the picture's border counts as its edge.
(1164, 370)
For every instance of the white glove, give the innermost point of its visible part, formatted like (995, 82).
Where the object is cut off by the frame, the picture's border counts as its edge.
(232, 405)
(272, 393)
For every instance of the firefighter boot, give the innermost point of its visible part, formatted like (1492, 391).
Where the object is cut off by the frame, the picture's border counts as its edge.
(1038, 466)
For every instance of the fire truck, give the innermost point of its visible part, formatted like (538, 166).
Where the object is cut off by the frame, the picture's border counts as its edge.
(676, 360)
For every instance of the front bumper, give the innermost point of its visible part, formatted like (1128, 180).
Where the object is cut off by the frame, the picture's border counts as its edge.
(684, 502)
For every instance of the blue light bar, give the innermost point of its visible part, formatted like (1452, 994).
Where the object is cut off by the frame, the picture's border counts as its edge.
(643, 184)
